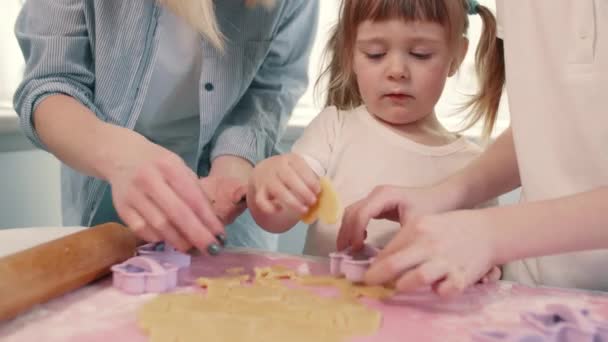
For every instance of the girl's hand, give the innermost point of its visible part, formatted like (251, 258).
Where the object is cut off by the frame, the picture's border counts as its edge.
(449, 251)
(284, 182)
(393, 203)
(160, 198)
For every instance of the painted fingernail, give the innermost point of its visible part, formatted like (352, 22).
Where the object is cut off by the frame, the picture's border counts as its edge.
(214, 249)
(222, 239)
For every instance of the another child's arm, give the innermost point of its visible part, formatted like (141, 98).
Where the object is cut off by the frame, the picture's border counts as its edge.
(281, 190)
(492, 174)
(452, 250)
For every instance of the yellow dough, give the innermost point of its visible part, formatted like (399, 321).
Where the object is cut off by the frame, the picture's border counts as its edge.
(264, 310)
(327, 206)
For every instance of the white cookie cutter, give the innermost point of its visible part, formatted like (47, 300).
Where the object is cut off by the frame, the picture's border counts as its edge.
(352, 265)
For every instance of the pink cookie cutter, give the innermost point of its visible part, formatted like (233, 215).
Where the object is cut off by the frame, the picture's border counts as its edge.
(143, 274)
(352, 265)
(165, 254)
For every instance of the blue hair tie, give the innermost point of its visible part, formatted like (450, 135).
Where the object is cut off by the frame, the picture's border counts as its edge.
(473, 7)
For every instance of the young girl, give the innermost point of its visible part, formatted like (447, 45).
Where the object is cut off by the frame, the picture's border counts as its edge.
(390, 60)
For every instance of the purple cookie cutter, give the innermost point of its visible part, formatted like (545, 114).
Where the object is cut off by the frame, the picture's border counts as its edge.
(165, 253)
(352, 265)
(143, 274)
(558, 323)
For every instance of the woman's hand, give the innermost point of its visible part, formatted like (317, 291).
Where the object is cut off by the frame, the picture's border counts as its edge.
(227, 195)
(160, 198)
(448, 251)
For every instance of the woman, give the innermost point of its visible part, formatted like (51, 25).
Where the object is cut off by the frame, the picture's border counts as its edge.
(140, 98)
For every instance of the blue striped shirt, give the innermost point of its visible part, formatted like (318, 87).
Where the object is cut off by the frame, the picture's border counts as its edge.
(100, 52)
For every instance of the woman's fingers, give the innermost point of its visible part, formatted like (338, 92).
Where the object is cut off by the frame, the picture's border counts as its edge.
(173, 213)
(185, 184)
(156, 219)
(138, 225)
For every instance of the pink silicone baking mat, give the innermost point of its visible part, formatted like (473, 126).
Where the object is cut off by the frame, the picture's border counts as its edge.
(101, 313)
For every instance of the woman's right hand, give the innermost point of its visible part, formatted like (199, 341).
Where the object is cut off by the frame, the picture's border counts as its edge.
(283, 182)
(394, 203)
(161, 199)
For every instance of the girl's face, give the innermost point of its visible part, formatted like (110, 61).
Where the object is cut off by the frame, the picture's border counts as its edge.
(401, 67)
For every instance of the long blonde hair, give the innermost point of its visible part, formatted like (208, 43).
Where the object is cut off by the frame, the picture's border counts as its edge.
(200, 14)
(343, 91)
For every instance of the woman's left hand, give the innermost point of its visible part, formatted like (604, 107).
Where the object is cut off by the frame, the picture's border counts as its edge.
(448, 251)
(227, 196)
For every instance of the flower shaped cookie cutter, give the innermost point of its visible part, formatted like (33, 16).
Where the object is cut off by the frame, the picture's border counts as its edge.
(165, 253)
(558, 323)
(142, 274)
(352, 265)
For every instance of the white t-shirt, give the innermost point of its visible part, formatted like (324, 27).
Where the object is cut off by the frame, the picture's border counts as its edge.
(170, 115)
(359, 153)
(557, 75)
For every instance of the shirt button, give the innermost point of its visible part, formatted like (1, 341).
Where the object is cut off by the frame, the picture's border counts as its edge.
(208, 86)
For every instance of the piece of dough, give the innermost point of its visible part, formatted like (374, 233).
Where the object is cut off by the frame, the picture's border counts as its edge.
(265, 310)
(327, 207)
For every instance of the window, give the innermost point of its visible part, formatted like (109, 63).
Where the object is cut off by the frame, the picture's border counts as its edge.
(11, 68)
(462, 83)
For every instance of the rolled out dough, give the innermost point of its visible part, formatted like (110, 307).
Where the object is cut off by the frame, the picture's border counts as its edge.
(263, 310)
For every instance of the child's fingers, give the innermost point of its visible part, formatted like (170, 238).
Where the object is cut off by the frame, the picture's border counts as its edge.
(493, 275)
(297, 187)
(405, 236)
(308, 176)
(263, 201)
(392, 266)
(283, 195)
(355, 221)
(426, 274)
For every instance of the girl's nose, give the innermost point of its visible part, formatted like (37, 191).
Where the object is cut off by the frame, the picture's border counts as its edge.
(397, 68)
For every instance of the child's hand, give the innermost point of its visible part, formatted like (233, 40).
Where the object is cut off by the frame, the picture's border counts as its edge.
(449, 251)
(284, 182)
(392, 203)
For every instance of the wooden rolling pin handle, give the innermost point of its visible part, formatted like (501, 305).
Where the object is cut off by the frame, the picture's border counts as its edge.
(43, 272)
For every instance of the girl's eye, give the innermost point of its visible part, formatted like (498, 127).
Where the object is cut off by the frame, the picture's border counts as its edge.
(375, 56)
(421, 56)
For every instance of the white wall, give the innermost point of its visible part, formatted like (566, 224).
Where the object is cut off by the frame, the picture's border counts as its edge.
(29, 190)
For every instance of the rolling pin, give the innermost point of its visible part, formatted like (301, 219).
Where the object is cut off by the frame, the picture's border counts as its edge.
(49, 270)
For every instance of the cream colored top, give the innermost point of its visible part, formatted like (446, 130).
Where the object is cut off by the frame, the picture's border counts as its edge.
(359, 153)
(557, 76)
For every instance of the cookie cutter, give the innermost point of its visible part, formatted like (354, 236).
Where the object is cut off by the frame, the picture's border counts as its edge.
(165, 253)
(559, 323)
(352, 265)
(142, 274)
(556, 317)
